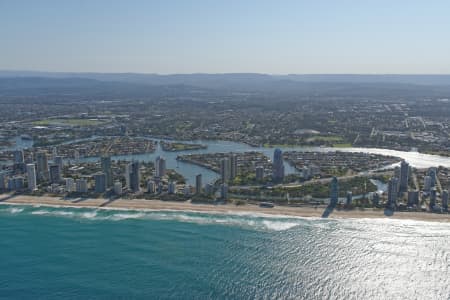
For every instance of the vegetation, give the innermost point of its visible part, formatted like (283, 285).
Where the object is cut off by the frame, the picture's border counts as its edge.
(175, 147)
(174, 176)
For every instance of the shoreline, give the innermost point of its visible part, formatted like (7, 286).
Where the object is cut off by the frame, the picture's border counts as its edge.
(158, 205)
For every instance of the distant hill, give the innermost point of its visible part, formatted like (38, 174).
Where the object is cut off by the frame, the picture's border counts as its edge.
(73, 87)
(215, 80)
(13, 83)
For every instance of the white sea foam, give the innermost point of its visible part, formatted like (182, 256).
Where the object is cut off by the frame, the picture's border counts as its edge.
(251, 220)
(53, 212)
(88, 215)
(240, 221)
(40, 212)
(63, 213)
(278, 225)
(15, 210)
(258, 223)
(125, 216)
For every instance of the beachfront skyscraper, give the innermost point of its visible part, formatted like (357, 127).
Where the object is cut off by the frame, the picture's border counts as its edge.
(135, 176)
(100, 182)
(334, 191)
(127, 175)
(171, 187)
(106, 169)
(225, 169)
(55, 174)
(432, 173)
(198, 184)
(81, 185)
(15, 183)
(413, 198)
(233, 166)
(160, 166)
(118, 188)
(2, 181)
(278, 166)
(42, 165)
(392, 192)
(31, 174)
(70, 185)
(151, 186)
(259, 173)
(404, 173)
(209, 189)
(433, 194)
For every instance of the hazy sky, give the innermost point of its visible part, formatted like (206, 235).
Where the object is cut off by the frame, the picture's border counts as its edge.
(170, 36)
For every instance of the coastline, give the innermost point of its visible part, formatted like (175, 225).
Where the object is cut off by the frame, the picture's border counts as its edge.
(152, 205)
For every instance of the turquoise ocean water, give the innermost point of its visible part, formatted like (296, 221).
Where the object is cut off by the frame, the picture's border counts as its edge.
(73, 253)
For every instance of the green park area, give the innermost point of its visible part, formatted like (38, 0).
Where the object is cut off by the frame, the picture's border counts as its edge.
(325, 138)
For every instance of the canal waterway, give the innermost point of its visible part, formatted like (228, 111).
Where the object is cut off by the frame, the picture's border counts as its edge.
(189, 171)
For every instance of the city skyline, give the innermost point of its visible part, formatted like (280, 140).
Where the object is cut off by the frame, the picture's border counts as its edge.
(224, 149)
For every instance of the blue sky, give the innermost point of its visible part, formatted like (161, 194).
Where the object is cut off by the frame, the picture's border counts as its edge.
(277, 37)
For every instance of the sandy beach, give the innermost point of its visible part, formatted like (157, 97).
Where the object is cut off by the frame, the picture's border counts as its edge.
(139, 204)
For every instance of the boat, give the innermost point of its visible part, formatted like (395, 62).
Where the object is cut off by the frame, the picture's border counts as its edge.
(266, 204)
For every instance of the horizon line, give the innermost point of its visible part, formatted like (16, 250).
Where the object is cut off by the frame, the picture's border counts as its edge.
(225, 73)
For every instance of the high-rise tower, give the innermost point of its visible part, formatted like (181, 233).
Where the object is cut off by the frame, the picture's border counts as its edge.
(233, 166)
(135, 176)
(278, 166)
(334, 192)
(42, 166)
(225, 170)
(404, 173)
(392, 192)
(160, 166)
(106, 169)
(198, 184)
(31, 174)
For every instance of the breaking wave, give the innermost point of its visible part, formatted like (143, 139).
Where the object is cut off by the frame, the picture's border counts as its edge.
(248, 220)
(14, 210)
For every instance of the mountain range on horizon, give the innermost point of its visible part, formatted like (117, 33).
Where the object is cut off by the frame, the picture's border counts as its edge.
(32, 83)
(188, 79)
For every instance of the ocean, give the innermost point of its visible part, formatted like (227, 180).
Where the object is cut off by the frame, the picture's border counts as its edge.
(80, 253)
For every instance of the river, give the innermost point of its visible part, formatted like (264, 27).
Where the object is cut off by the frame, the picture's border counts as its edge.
(189, 171)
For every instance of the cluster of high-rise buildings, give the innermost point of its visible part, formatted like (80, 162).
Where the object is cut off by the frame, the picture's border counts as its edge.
(41, 172)
(37, 170)
(30, 173)
(228, 168)
(398, 187)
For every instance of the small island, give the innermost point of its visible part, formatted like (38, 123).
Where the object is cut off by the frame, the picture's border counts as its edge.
(176, 146)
